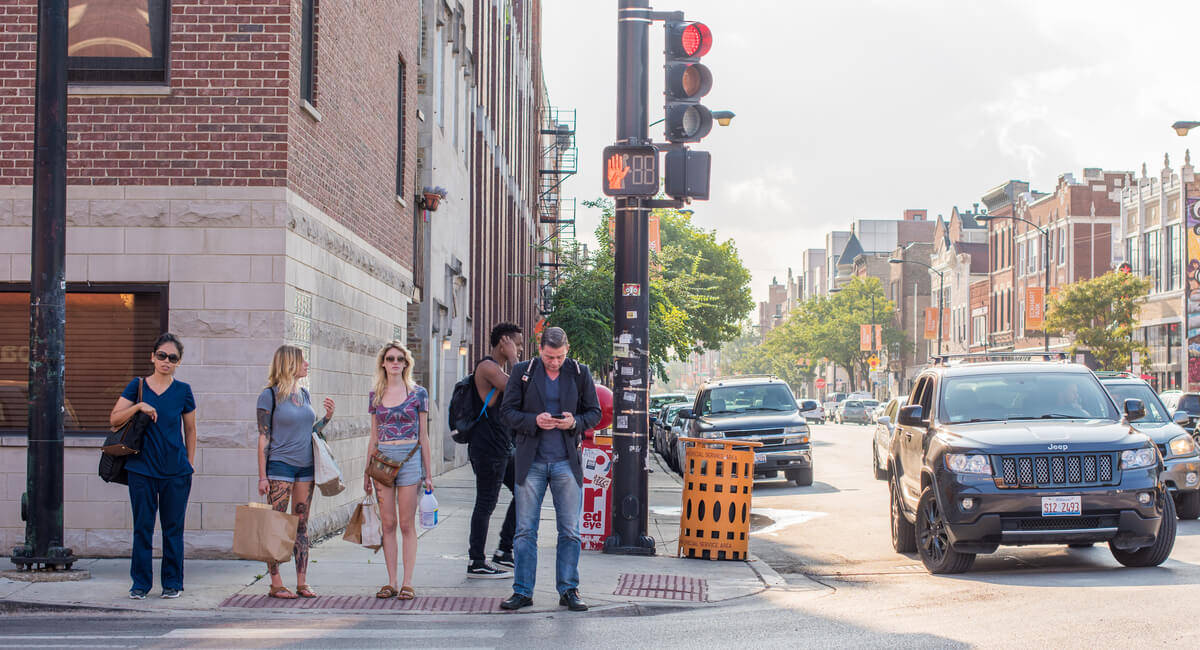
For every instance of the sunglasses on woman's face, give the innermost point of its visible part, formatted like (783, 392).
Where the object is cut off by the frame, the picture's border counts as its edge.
(391, 359)
(163, 356)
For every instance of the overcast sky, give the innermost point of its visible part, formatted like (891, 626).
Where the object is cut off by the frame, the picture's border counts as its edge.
(853, 109)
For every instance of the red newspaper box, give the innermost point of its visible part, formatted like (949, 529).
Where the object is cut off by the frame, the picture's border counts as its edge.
(597, 477)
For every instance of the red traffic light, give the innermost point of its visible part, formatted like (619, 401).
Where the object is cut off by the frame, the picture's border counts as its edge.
(689, 39)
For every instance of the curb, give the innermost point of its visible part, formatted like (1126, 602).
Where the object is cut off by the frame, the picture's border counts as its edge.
(769, 577)
(8, 606)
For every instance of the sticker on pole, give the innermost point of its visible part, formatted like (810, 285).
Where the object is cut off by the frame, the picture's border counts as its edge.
(631, 289)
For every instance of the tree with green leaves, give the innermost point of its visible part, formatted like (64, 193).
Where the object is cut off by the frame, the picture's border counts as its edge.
(1099, 315)
(699, 293)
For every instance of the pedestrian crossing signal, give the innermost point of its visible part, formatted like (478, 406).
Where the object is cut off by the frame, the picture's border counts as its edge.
(630, 170)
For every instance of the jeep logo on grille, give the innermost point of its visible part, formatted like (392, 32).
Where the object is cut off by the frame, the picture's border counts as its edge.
(1054, 447)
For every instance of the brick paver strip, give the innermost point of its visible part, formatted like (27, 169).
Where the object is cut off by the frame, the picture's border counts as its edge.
(466, 604)
(660, 585)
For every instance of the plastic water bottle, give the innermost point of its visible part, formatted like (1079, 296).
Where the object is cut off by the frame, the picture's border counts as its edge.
(429, 510)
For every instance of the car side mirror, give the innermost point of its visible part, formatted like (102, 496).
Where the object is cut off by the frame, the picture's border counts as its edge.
(1181, 418)
(911, 416)
(686, 414)
(1134, 409)
(884, 420)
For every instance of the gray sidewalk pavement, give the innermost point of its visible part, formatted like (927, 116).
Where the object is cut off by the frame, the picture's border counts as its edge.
(339, 568)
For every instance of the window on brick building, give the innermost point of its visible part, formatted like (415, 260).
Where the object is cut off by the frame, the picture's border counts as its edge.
(401, 127)
(1152, 266)
(308, 52)
(1174, 259)
(118, 41)
(109, 333)
(1062, 245)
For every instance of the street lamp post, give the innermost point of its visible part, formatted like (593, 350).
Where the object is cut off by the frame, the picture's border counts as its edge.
(941, 294)
(1046, 262)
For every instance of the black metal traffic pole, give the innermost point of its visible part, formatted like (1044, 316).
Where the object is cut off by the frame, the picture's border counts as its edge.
(631, 300)
(42, 504)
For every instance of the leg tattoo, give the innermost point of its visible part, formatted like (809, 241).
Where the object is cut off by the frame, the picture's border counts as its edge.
(278, 495)
(301, 548)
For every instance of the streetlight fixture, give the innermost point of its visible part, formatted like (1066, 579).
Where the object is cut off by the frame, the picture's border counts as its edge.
(1045, 260)
(722, 117)
(941, 293)
(1181, 127)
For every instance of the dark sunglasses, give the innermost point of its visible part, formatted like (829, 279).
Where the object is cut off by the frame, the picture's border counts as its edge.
(163, 356)
(395, 359)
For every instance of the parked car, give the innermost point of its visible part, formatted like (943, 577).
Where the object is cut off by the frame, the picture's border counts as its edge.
(872, 406)
(662, 399)
(853, 410)
(812, 411)
(881, 439)
(1181, 455)
(1189, 403)
(760, 409)
(1016, 453)
(664, 421)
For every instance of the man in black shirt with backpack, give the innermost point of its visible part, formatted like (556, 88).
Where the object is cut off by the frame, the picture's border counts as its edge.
(490, 449)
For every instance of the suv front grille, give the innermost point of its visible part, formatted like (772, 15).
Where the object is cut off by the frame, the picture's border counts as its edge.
(1056, 523)
(1045, 470)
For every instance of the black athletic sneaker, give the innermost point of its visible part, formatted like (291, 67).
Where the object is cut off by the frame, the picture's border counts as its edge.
(168, 592)
(137, 594)
(486, 571)
(504, 558)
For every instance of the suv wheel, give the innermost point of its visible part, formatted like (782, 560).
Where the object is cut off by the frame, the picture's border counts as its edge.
(933, 540)
(904, 538)
(1187, 504)
(802, 477)
(1156, 553)
(881, 474)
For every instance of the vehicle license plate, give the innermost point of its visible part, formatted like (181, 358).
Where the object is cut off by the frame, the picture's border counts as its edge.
(1062, 506)
(760, 458)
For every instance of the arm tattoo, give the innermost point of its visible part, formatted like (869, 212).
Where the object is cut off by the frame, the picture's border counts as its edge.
(264, 423)
(319, 424)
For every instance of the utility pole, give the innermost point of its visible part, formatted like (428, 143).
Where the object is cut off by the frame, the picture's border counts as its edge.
(631, 318)
(42, 503)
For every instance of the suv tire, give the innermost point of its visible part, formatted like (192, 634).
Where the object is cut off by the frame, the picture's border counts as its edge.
(802, 477)
(881, 474)
(904, 536)
(1156, 553)
(933, 541)
(1187, 505)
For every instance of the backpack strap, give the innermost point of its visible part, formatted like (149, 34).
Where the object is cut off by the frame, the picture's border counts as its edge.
(271, 421)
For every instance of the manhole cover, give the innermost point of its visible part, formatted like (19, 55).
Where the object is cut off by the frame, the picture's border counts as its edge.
(466, 604)
(657, 585)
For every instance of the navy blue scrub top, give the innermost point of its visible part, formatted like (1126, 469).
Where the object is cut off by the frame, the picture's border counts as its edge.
(163, 453)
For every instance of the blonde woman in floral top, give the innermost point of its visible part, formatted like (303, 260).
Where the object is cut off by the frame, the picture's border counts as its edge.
(400, 420)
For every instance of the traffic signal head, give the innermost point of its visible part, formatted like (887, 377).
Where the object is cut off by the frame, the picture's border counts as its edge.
(687, 80)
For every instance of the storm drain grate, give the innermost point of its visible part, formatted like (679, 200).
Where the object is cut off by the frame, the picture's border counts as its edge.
(657, 585)
(465, 604)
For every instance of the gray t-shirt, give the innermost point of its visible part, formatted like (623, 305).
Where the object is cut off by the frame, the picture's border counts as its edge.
(291, 428)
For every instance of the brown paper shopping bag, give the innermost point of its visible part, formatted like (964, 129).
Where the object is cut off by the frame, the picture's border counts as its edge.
(353, 532)
(263, 534)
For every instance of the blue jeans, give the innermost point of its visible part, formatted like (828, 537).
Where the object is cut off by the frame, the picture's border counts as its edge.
(164, 499)
(568, 508)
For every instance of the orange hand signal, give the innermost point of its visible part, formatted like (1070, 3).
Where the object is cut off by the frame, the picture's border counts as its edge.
(617, 171)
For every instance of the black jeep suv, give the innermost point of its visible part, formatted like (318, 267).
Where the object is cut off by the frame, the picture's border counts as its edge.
(759, 408)
(1018, 453)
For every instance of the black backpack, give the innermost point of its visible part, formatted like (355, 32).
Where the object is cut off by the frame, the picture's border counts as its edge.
(466, 408)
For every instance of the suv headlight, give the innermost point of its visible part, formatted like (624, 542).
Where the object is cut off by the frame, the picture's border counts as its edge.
(1182, 445)
(1138, 458)
(710, 433)
(796, 435)
(968, 464)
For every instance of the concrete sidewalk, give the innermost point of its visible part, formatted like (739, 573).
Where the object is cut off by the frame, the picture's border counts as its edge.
(346, 576)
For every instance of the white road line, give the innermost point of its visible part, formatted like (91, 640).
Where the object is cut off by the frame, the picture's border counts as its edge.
(325, 633)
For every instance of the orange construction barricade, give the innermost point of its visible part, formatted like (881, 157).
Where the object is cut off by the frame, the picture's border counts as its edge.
(718, 481)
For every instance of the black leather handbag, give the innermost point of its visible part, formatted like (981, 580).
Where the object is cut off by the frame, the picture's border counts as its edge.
(126, 438)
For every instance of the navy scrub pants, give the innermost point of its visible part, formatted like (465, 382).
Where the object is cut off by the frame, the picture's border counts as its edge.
(165, 499)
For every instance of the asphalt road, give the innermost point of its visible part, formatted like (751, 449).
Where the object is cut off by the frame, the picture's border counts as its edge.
(845, 587)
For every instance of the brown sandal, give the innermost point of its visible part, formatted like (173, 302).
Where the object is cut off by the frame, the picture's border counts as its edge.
(386, 591)
(407, 593)
(304, 591)
(281, 592)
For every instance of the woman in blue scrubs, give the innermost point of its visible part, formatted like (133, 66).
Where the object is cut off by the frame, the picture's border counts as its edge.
(160, 476)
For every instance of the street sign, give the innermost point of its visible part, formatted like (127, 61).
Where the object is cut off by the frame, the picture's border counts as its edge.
(630, 170)
(873, 361)
(820, 382)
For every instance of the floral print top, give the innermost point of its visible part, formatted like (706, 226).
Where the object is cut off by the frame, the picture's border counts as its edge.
(400, 423)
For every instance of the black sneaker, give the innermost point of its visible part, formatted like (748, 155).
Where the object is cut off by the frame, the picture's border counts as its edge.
(516, 601)
(486, 571)
(137, 594)
(504, 558)
(168, 592)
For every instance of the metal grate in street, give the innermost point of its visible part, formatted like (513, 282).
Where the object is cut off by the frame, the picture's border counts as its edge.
(462, 604)
(658, 585)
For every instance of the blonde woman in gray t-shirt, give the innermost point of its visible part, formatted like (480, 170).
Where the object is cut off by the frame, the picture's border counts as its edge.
(286, 422)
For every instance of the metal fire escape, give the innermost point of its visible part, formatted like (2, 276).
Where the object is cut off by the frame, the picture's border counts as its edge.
(556, 215)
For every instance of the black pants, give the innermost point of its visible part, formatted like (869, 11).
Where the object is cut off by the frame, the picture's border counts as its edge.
(491, 471)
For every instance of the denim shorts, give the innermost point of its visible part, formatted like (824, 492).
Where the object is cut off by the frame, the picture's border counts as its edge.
(277, 470)
(413, 471)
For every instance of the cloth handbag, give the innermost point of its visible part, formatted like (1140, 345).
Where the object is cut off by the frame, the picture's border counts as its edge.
(264, 534)
(365, 526)
(126, 438)
(329, 477)
(384, 469)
